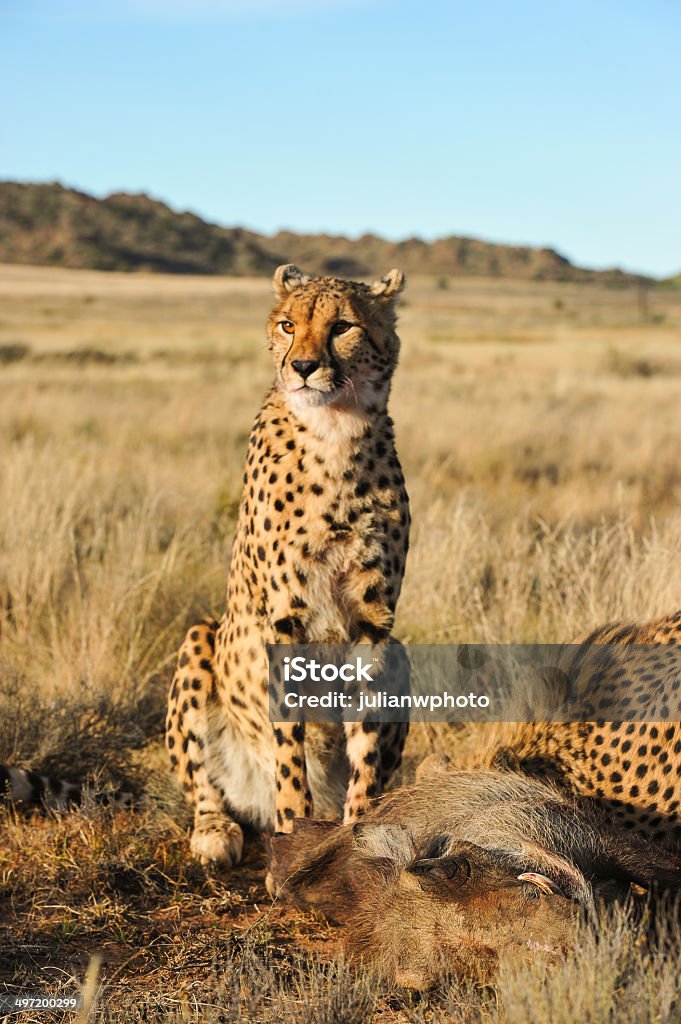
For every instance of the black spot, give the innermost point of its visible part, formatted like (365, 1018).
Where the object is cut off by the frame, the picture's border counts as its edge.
(370, 630)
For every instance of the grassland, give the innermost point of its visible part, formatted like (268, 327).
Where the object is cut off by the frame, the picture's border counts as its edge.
(539, 426)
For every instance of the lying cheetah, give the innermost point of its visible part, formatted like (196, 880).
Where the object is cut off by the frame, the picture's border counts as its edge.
(630, 766)
(319, 554)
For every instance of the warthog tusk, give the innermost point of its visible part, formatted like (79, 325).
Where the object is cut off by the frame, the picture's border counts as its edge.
(542, 882)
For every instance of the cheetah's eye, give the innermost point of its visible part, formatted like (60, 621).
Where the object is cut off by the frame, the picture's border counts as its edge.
(287, 327)
(341, 327)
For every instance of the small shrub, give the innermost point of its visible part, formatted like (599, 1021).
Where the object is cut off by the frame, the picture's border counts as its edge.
(622, 364)
(14, 352)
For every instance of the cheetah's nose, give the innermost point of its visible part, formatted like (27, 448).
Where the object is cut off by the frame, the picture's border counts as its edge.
(305, 366)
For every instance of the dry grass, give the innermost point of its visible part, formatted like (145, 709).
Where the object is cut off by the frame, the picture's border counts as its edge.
(540, 430)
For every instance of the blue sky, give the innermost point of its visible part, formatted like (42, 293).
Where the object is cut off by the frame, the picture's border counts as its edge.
(534, 121)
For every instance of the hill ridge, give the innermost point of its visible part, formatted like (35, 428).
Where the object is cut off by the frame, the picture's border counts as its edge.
(53, 225)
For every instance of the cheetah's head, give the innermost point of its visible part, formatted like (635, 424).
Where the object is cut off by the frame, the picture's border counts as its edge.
(333, 341)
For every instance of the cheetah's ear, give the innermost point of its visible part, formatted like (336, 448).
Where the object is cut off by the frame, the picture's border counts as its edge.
(388, 286)
(287, 278)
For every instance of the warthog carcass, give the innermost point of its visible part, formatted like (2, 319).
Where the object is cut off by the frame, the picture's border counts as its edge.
(462, 869)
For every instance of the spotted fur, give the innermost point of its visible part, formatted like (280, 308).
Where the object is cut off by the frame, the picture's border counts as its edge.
(319, 554)
(631, 766)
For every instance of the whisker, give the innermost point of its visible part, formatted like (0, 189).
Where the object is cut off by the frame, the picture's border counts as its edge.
(348, 385)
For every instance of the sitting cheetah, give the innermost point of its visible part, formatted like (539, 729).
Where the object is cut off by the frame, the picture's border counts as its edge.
(630, 766)
(319, 554)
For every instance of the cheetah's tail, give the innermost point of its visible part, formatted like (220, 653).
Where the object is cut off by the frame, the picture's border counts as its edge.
(23, 787)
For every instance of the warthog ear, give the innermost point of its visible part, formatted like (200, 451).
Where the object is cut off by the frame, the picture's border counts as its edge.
(287, 278)
(384, 842)
(434, 764)
(389, 286)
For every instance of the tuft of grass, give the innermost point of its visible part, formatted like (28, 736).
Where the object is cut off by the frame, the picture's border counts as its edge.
(624, 364)
(14, 352)
(87, 356)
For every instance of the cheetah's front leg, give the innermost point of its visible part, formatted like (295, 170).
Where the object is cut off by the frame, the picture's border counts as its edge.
(293, 798)
(216, 838)
(364, 755)
(362, 739)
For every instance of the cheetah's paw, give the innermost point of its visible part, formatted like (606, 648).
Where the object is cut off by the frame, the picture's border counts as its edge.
(219, 844)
